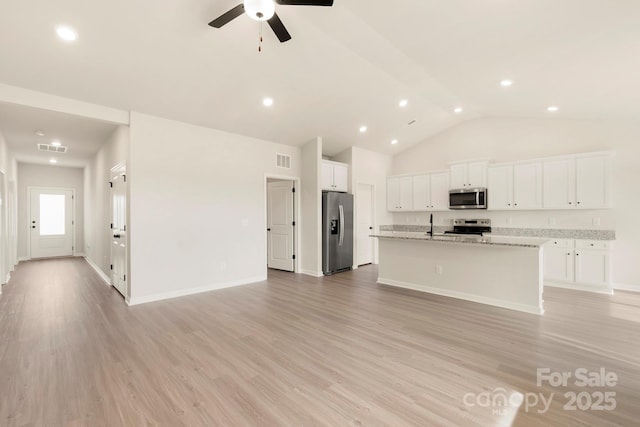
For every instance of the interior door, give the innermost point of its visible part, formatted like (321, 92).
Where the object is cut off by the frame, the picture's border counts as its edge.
(119, 230)
(51, 222)
(364, 224)
(280, 228)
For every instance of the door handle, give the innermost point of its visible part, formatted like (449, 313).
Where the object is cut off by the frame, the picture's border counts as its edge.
(116, 236)
(370, 228)
(33, 226)
(268, 229)
(341, 242)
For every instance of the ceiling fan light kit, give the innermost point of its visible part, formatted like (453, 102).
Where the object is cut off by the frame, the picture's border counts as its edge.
(265, 10)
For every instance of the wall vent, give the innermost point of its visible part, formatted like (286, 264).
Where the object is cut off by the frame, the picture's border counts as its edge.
(283, 161)
(52, 148)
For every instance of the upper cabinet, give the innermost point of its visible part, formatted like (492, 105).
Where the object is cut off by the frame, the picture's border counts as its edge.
(335, 176)
(431, 192)
(515, 186)
(468, 175)
(400, 193)
(580, 182)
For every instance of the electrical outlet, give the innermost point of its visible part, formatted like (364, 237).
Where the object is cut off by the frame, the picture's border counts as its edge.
(439, 269)
(596, 221)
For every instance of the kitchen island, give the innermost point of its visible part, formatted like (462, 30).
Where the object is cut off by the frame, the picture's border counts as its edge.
(500, 271)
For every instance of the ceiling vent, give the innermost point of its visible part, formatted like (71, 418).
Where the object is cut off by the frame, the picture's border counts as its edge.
(52, 148)
(283, 161)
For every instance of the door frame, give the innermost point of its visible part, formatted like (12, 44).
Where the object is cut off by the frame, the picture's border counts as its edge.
(120, 167)
(374, 220)
(297, 248)
(73, 215)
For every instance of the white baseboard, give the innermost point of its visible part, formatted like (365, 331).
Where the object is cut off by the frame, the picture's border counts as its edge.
(80, 254)
(104, 277)
(626, 287)
(23, 258)
(312, 273)
(192, 291)
(579, 287)
(463, 296)
(8, 277)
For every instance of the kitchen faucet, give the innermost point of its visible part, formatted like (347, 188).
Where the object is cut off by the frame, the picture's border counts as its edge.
(430, 232)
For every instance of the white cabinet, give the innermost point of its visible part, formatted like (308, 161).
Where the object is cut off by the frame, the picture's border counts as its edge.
(579, 264)
(468, 175)
(335, 176)
(582, 182)
(431, 192)
(400, 193)
(517, 186)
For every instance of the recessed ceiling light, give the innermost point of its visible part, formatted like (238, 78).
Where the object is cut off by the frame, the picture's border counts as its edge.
(67, 34)
(56, 143)
(53, 161)
(394, 142)
(458, 110)
(40, 133)
(552, 109)
(267, 102)
(363, 129)
(506, 83)
(404, 103)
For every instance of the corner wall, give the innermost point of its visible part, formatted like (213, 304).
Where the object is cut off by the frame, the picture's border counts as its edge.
(510, 139)
(311, 200)
(197, 207)
(114, 151)
(8, 213)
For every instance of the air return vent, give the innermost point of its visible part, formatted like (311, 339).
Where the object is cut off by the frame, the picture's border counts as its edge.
(283, 161)
(52, 148)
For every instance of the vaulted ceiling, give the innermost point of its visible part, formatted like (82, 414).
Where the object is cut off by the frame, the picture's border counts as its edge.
(346, 66)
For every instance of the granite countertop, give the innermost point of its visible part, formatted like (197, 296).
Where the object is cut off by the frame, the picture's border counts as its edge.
(522, 242)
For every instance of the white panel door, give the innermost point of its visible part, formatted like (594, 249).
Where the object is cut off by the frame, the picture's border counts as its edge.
(558, 264)
(280, 225)
(421, 190)
(592, 183)
(364, 243)
(406, 193)
(477, 174)
(327, 176)
(119, 230)
(393, 194)
(341, 177)
(51, 222)
(592, 267)
(500, 187)
(558, 177)
(439, 191)
(458, 176)
(527, 186)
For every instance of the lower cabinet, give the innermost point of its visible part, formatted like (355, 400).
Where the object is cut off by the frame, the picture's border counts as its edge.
(578, 264)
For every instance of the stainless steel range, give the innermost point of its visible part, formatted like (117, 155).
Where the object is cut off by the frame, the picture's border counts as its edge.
(474, 227)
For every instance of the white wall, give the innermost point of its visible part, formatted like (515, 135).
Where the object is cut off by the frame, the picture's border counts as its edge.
(8, 212)
(48, 176)
(114, 151)
(311, 200)
(369, 167)
(507, 139)
(197, 207)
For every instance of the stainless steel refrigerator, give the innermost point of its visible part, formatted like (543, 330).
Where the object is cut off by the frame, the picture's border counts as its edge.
(337, 232)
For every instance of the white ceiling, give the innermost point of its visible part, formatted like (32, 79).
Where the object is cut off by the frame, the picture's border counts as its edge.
(346, 65)
(82, 136)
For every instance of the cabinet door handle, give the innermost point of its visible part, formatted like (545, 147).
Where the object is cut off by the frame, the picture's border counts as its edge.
(578, 202)
(570, 203)
(568, 253)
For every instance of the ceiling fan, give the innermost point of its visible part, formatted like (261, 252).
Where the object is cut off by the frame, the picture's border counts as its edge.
(265, 10)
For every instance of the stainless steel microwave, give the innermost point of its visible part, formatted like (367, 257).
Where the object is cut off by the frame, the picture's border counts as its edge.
(468, 198)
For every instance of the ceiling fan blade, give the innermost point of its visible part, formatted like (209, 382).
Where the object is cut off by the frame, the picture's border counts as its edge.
(305, 2)
(228, 17)
(278, 27)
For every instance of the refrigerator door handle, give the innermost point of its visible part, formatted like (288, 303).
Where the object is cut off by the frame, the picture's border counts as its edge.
(341, 225)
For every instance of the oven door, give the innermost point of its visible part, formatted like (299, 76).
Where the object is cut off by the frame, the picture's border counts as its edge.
(468, 199)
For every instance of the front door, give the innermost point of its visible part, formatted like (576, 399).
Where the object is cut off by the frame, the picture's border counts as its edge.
(280, 226)
(119, 230)
(51, 222)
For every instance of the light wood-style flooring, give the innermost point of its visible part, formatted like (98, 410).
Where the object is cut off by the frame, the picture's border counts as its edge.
(298, 351)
